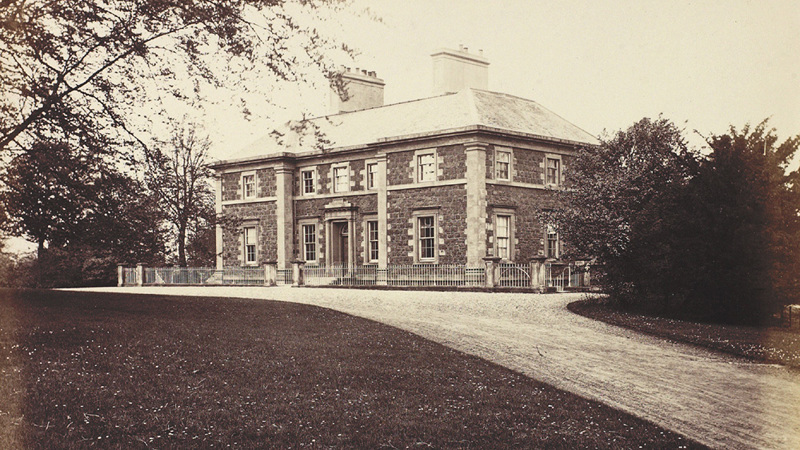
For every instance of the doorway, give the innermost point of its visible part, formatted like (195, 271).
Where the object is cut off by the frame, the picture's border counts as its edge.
(340, 243)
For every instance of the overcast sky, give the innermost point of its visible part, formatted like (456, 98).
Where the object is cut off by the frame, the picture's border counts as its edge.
(600, 64)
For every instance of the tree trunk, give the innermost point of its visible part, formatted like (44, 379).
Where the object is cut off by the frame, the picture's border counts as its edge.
(182, 245)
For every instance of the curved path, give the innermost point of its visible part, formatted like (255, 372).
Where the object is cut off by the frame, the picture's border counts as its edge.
(720, 401)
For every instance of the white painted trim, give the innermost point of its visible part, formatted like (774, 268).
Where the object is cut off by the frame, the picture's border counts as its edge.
(250, 200)
(248, 173)
(516, 184)
(334, 195)
(455, 182)
(315, 177)
(499, 149)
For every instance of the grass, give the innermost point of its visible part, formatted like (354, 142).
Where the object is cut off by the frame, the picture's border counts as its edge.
(127, 371)
(769, 344)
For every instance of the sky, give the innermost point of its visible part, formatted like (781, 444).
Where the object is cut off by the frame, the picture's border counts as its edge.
(602, 65)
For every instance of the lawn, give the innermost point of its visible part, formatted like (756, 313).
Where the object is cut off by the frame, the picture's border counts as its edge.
(128, 371)
(768, 344)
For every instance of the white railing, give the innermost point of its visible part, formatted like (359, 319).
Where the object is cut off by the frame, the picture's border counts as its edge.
(196, 276)
(395, 275)
(283, 277)
(562, 276)
(557, 276)
(436, 275)
(130, 275)
(516, 275)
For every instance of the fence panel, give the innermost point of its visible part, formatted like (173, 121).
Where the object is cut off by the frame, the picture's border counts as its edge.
(514, 275)
(283, 277)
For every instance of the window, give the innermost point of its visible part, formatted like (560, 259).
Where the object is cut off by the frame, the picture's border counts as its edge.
(250, 245)
(308, 181)
(341, 179)
(551, 249)
(426, 167)
(249, 185)
(426, 227)
(553, 171)
(503, 236)
(372, 173)
(372, 240)
(503, 165)
(309, 242)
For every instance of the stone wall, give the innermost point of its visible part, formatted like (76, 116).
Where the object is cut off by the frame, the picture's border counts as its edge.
(263, 215)
(231, 189)
(452, 162)
(266, 182)
(526, 204)
(451, 204)
(314, 208)
(528, 166)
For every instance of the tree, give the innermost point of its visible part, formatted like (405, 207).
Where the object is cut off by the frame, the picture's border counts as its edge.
(619, 209)
(179, 177)
(44, 193)
(714, 238)
(84, 214)
(72, 71)
(746, 206)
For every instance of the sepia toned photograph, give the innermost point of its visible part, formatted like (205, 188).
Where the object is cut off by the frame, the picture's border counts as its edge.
(399, 224)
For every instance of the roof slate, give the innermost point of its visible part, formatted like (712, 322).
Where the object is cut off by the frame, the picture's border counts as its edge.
(467, 108)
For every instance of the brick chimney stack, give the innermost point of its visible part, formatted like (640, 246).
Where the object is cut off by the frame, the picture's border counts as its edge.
(364, 91)
(454, 70)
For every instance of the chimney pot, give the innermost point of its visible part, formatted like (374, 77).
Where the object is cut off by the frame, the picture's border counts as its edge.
(466, 50)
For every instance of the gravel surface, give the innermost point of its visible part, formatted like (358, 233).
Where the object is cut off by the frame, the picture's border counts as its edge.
(722, 401)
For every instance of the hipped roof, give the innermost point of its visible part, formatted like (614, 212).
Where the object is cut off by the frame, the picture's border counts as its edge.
(424, 117)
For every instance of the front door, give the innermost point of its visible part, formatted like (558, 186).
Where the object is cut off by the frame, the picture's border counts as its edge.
(340, 243)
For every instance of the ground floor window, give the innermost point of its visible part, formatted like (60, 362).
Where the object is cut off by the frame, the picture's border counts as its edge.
(309, 242)
(426, 226)
(372, 240)
(551, 242)
(249, 237)
(503, 235)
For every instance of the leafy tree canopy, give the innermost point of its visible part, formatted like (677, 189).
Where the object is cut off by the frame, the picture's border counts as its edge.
(73, 71)
(715, 237)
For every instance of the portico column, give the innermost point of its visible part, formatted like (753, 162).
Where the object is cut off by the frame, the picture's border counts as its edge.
(476, 203)
(285, 214)
(383, 242)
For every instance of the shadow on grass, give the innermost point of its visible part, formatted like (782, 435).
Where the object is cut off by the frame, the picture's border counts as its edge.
(769, 344)
(117, 370)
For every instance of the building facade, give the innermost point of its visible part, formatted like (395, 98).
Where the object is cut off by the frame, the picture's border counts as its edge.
(449, 179)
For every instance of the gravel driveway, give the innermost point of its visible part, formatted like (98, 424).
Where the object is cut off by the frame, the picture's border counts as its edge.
(717, 400)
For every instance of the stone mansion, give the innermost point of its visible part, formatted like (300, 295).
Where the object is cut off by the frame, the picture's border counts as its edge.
(449, 179)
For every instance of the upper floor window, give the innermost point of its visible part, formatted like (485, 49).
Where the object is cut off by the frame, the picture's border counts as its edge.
(503, 165)
(308, 181)
(249, 238)
(341, 179)
(553, 171)
(249, 185)
(551, 242)
(372, 240)
(426, 167)
(503, 236)
(372, 173)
